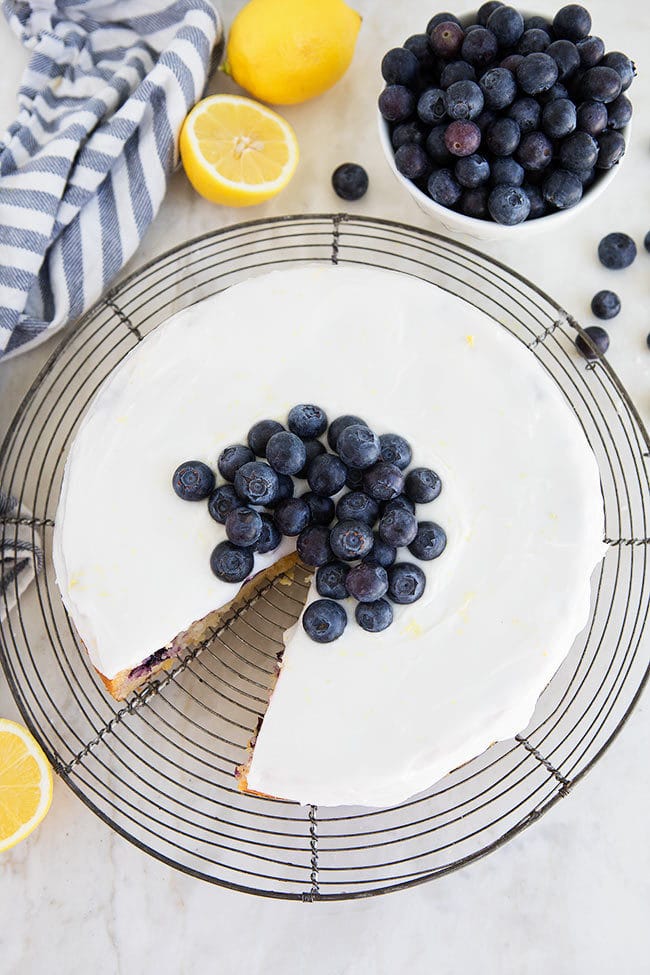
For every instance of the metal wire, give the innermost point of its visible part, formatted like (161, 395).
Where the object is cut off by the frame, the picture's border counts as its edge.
(159, 769)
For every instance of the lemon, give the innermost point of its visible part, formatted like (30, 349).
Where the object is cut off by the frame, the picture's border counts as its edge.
(236, 151)
(25, 784)
(286, 51)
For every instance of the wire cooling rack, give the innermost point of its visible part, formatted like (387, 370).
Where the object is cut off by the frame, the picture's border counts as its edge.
(159, 769)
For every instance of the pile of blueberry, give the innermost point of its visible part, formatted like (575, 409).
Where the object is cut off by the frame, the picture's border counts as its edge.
(352, 543)
(509, 118)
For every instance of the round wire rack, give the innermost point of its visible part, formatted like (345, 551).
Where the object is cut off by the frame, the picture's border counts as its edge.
(159, 769)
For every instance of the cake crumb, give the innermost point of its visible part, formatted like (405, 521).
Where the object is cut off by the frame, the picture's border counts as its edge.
(470, 340)
(414, 628)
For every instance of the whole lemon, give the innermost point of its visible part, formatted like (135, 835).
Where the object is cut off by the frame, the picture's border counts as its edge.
(286, 51)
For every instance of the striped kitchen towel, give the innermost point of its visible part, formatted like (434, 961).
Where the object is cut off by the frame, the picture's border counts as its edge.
(84, 167)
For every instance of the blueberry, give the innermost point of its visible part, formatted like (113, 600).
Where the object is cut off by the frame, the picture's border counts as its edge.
(383, 482)
(446, 39)
(599, 339)
(193, 481)
(307, 421)
(422, 485)
(321, 509)
(619, 112)
(418, 44)
(464, 100)
(592, 117)
(257, 483)
(511, 62)
(616, 251)
(406, 582)
(269, 538)
(462, 138)
(527, 113)
(572, 21)
(395, 449)
(611, 148)
(605, 304)
(351, 540)
(566, 56)
(429, 542)
(538, 206)
(473, 203)
(396, 103)
(383, 553)
(286, 452)
(354, 479)
(313, 448)
(313, 545)
(230, 563)
(324, 620)
(485, 120)
(222, 501)
(431, 106)
(559, 118)
(503, 137)
(398, 527)
(535, 151)
(538, 23)
(444, 188)
(536, 73)
(326, 475)
(401, 502)
(534, 40)
(586, 177)
(479, 47)
(285, 490)
(374, 617)
(292, 516)
(601, 84)
(435, 146)
(357, 506)
(400, 67)
(591, 51)
(562, 189)
(358, 446)
(349, 180)
(499, 88)
(506, 171)
(555, 91)
(507, 25)
(338, 425)
(624, 67)
(508, 205)
(367, 582)
(442, 18)
(243, 526)
(232, 458)
(646, 241)
(411, 161)
(471, 171)
(456, 71)
(485, 10)
(406, 133)
(260, 434)
(330, 580)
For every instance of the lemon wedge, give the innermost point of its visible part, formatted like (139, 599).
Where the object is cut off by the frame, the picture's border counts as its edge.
(25, 784)
(236, 151)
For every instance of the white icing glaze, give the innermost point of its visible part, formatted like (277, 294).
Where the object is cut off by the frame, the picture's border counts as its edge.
(372, 718)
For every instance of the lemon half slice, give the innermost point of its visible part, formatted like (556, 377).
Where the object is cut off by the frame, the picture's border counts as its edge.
(236, 151)
(25, 784)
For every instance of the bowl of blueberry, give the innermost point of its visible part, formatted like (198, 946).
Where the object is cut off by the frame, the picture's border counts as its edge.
(501, 119)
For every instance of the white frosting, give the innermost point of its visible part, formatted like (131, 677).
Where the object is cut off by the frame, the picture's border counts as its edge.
(372, 718)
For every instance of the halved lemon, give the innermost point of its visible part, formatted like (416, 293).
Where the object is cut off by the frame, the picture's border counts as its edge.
(236, 151)
(25, 784)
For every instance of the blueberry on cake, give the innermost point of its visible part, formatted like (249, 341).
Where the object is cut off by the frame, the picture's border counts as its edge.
(399, 444)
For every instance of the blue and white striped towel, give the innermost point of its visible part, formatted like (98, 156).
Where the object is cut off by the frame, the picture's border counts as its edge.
(84, 167)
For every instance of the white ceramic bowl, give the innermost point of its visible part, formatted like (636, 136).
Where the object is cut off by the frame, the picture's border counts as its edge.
(460, 225)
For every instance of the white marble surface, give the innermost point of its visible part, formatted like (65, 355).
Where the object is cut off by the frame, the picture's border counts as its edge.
(569, 895)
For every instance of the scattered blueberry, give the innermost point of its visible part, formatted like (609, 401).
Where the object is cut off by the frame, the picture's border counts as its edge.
(559, 118)
(330, 580)
(231, 563)
(611, 148)
(462, 138)
(374, 617)
(324, 620)
(411, 161)
(507, 25)
(429, 542)
(503, 136)
(562, 189)
(422, 485)
(321, 509)
(605, 304)
(599, 338)
(232, 458)
(313, 545)
(506, 171)
(536, 73)
(351, 540)
(395, 449)
(337, 427)
(383, 553)
(572, 22)
(616, 251)
(286, 452)
(406, 582)
(444, 188)
(326, 475)
(257, 483)
(398, 527)
(222, 501)
(499, 88)
(243, 526)
(400, 67)
(367, 582)
(383, 481)
(270, 536)
(357, 506)
(193, 481)
(292, 516)
(646, 241)
(260, 434)
(508, 205)
(463, 100)
(349, 180)
(431, 106)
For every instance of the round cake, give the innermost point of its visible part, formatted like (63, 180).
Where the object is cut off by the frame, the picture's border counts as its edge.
(371, 718)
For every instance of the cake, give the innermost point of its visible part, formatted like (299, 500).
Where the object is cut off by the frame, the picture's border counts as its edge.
(371, 718)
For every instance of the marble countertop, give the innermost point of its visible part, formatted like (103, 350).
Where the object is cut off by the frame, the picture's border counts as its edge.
(569, 895)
